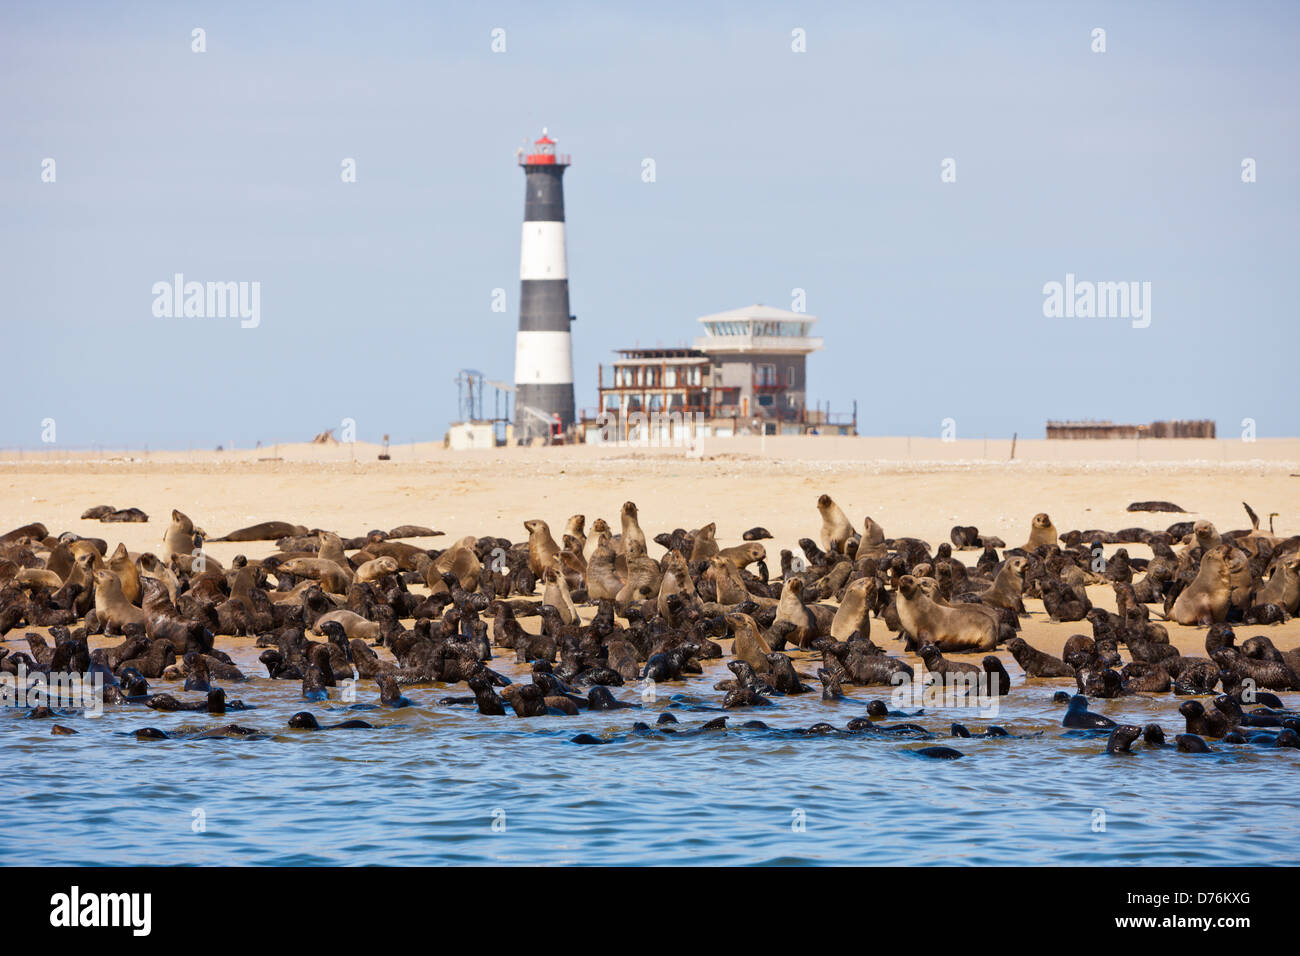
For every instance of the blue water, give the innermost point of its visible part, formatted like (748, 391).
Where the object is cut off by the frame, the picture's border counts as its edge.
(427, 785)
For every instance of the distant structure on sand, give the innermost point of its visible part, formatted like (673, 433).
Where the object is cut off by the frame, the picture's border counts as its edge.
(543, 348)
(747, 374)
(1203, 428)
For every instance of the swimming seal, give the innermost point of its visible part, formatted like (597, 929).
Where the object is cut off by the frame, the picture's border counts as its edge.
(1078, 716)
(1192, 744)
(938, 753)
(1121, 738)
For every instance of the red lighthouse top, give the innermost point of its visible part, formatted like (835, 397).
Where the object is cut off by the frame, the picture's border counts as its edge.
(543, 153)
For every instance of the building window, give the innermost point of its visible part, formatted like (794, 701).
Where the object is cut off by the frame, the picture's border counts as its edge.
(765, 400)
(789, 377)
(766, 374)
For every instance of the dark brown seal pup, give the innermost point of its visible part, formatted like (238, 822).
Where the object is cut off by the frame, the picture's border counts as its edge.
(1121, 738)
(1079, 717)
(1036, 663)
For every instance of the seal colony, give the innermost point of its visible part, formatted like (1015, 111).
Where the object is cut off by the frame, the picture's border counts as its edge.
(333, 613)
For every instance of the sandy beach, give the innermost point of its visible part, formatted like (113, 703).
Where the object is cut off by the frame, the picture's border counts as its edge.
(739, 483)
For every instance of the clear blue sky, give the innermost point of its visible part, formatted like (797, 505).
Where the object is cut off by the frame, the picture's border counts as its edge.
(775, 171)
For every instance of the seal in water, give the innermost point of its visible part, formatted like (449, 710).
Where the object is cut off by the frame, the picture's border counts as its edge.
(305, 720)
(1121, 738)
(1192, 744)
(938, 753)
(1078, 716)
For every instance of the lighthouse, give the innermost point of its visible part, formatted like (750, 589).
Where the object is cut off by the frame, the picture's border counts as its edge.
(543, 349)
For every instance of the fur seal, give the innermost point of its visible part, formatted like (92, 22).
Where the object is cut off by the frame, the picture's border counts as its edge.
(643, 574)
(1205, 600)
(178, 539)
(354, 625)
(305, 720)
(376, 569)
(331, 576)
(1121, 738)
(266, 531)
(1078, 716)
(631, 528)
(836, 528)
(1041, 532)
(1008, 587)
(1283, 585)
(542, 548)
(111, 606)
(1036, 663)
(957, 628)
(854, 613)
(938, 753)
(1192, 744)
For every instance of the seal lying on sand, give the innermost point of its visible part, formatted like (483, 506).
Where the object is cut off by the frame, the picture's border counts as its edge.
(266, 531)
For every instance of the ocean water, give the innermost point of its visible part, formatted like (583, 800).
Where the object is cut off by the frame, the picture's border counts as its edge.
(440, 784)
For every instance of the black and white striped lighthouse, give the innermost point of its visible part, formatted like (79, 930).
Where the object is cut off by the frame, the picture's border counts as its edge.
(543, 350)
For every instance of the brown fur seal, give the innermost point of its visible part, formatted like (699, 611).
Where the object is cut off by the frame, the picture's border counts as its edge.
(111, 606)
(603, 583)
(743, 555)
(854, 612)
(1009, 586)
(959, 628)
(598, 527)
(836, 529)
(542, 548)
(354, 625)
(1283, 586)
(1036, 663)
(631, 528)
(643, 575)
(377, 568)
(727, 582)
(266, 531)
(179, 536)
(576, 526)
(705, 545)
(331, 576)
(1205, 600)
(791, 609)
(556, 592)
(122, 565)
(676, 580)
(872, 542)
(1041, 532)
(749, 645)
(461, 560)
(1204, 535)
(329, 547)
